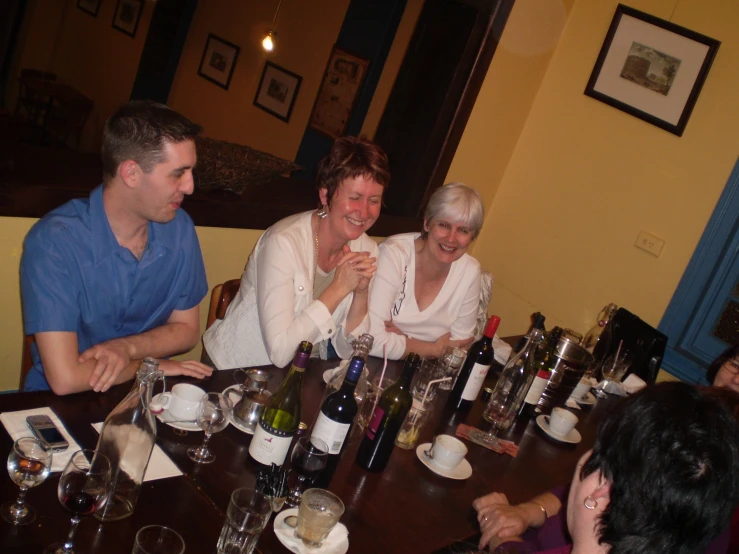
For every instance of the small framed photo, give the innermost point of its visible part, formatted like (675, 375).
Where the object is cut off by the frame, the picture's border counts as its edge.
(89, 6)
(651, 68)
(127, 15)
(218, 61)
(277, 91)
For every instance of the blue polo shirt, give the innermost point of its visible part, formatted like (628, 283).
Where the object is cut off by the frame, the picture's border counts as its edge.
(76, 277)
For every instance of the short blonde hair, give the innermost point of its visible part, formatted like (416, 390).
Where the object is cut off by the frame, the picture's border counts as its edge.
(457, 203)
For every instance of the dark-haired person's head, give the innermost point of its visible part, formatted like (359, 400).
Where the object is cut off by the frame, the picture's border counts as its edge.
(663, 475)
(724, 371)
(140, 130)
(351, 179)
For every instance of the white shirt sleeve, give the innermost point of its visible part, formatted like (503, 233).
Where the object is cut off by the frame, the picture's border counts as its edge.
(386, 284)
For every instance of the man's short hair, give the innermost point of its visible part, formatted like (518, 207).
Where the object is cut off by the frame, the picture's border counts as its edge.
(671, 455)
(139, 131)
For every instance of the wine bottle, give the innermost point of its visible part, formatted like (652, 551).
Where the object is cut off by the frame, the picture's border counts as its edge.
(335, 420)
(378, 443)
(475, 369)
(538, 323)
(543, 373)
(281, 416)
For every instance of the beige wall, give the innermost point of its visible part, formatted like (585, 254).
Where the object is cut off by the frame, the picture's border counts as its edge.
(584, 178)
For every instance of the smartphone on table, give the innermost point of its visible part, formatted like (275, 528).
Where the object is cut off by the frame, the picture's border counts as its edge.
(45, 430)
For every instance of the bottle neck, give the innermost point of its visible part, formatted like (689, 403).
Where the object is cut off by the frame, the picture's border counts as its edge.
(491, 327)
(347, 387)
(406, 375)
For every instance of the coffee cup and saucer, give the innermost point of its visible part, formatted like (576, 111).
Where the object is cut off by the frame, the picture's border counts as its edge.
(445, 457)
(179, 407)
(560, 426)
(582, 394)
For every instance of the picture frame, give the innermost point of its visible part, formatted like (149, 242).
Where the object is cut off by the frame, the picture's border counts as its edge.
(219, 61)
(89, 6)
(277, 91)
(651, 68)
(337, 95)
(127, 16)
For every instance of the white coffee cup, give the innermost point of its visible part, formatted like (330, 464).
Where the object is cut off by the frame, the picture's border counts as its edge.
(181, 402)
(447, 451)
(582, 388)
(562, 421)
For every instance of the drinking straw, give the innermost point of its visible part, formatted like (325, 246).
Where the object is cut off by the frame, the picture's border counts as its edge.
(618, 353)
(425, 393)
(382, 375)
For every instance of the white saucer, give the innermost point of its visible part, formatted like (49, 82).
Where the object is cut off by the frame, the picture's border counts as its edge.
(166, 417)
(587, 400)
(329, 373)
(573, 438)
(232, 393)
(335, 543)
(461, 472)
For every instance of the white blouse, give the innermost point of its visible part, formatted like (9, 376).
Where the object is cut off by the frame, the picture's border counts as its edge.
(392, 297)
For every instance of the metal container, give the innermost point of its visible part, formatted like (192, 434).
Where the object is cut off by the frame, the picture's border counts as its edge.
(248, 410)
(568, 365)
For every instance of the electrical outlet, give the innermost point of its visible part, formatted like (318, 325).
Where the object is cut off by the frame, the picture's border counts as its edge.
(650, 243)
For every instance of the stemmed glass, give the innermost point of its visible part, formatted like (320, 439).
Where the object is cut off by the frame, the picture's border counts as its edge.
(500, 413)
(84, 488)
(214, 412)
(309, 457)
(614, 368)
(29, 464)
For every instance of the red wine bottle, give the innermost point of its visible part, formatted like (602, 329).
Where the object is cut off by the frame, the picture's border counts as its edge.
(475, 369)
(395, 403)
(335, 420)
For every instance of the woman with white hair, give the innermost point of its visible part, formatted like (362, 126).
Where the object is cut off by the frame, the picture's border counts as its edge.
(425, 293)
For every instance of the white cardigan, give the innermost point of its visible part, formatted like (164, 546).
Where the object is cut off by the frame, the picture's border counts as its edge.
(274, 309)
(393, 297)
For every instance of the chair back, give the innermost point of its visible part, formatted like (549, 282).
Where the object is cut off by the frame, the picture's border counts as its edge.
(220, 299)
(26, 360)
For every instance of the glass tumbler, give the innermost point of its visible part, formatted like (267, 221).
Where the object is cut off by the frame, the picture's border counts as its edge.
(157, 539)
(247, 515)
(410, 430)
(319, 511)
(450, 363)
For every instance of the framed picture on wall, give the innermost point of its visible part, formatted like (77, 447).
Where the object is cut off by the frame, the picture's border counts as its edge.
(278, 88)
(338, 92)
(218, 61)
(127, 15)
(651, 68)
(89, 6)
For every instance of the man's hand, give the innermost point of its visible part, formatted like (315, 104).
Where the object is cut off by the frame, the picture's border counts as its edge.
(189, 368)
(111, 357)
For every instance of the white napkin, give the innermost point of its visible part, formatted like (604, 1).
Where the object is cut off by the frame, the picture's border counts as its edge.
(572, 404)
(633, 383)
(615, 388)
(286, 534)
(501, 350)
(16, 426)
(160, 466)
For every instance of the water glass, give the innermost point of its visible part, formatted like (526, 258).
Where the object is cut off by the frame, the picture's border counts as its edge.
(247, 515)
(427, 371)
(29, 464)
(410, 430)
(214, 412)
(450, 363)
(157, 539)
(367, 407)
(320, 510)
(613, 369)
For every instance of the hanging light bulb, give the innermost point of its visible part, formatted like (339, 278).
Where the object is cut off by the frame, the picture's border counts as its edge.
(268, 42)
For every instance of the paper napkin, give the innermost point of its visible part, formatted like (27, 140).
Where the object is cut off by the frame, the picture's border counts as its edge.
(160, 466)
(16, 426)
(633, 383)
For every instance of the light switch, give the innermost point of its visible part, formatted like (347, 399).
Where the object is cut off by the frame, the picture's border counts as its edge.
(650, 243)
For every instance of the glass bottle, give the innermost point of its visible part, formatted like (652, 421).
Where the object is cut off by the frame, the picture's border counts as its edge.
(543, 372)
(127, 440)
(538, 320)
(362, 347)
(281, 415)
(598, 340)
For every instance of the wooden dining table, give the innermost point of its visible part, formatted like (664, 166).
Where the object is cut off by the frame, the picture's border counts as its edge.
(407, 508)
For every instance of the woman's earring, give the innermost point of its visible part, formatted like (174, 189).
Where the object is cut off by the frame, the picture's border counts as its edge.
(591, 503)
(323, 212)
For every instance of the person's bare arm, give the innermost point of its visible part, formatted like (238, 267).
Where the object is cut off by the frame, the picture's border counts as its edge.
(115, 361)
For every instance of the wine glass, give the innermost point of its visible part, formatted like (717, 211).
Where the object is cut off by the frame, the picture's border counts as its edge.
(29, 464)
(84, 488)
(214, 412)
(614, 368)
(500, 413)
(309, 457)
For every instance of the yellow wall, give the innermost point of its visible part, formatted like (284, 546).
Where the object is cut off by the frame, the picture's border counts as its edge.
(584, 178)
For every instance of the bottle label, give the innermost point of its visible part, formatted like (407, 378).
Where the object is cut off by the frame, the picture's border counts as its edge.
(270, 446)
(331, 432)
(537, 387)
(374, 423)
(474, 383)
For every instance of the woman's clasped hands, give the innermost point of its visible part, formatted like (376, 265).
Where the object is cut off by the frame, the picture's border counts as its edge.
(354, 271)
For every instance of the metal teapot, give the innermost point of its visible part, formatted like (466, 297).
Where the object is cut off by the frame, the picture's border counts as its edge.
(252, 385)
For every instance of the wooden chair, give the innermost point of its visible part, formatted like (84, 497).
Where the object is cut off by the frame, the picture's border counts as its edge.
(220, 298)
(26, 360)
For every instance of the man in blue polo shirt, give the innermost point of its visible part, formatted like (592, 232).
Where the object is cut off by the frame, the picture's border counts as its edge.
(111, 279)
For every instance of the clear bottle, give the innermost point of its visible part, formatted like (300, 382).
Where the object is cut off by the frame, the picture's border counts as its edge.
(127, 439)
(281, 416)
(513, 384)
(538, 320)
(598, 340)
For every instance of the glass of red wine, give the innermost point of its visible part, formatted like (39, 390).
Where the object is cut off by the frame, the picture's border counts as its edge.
(29, 463)
(309, 457)
(84, 488)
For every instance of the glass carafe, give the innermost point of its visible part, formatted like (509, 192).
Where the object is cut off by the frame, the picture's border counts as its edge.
(127, 439)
